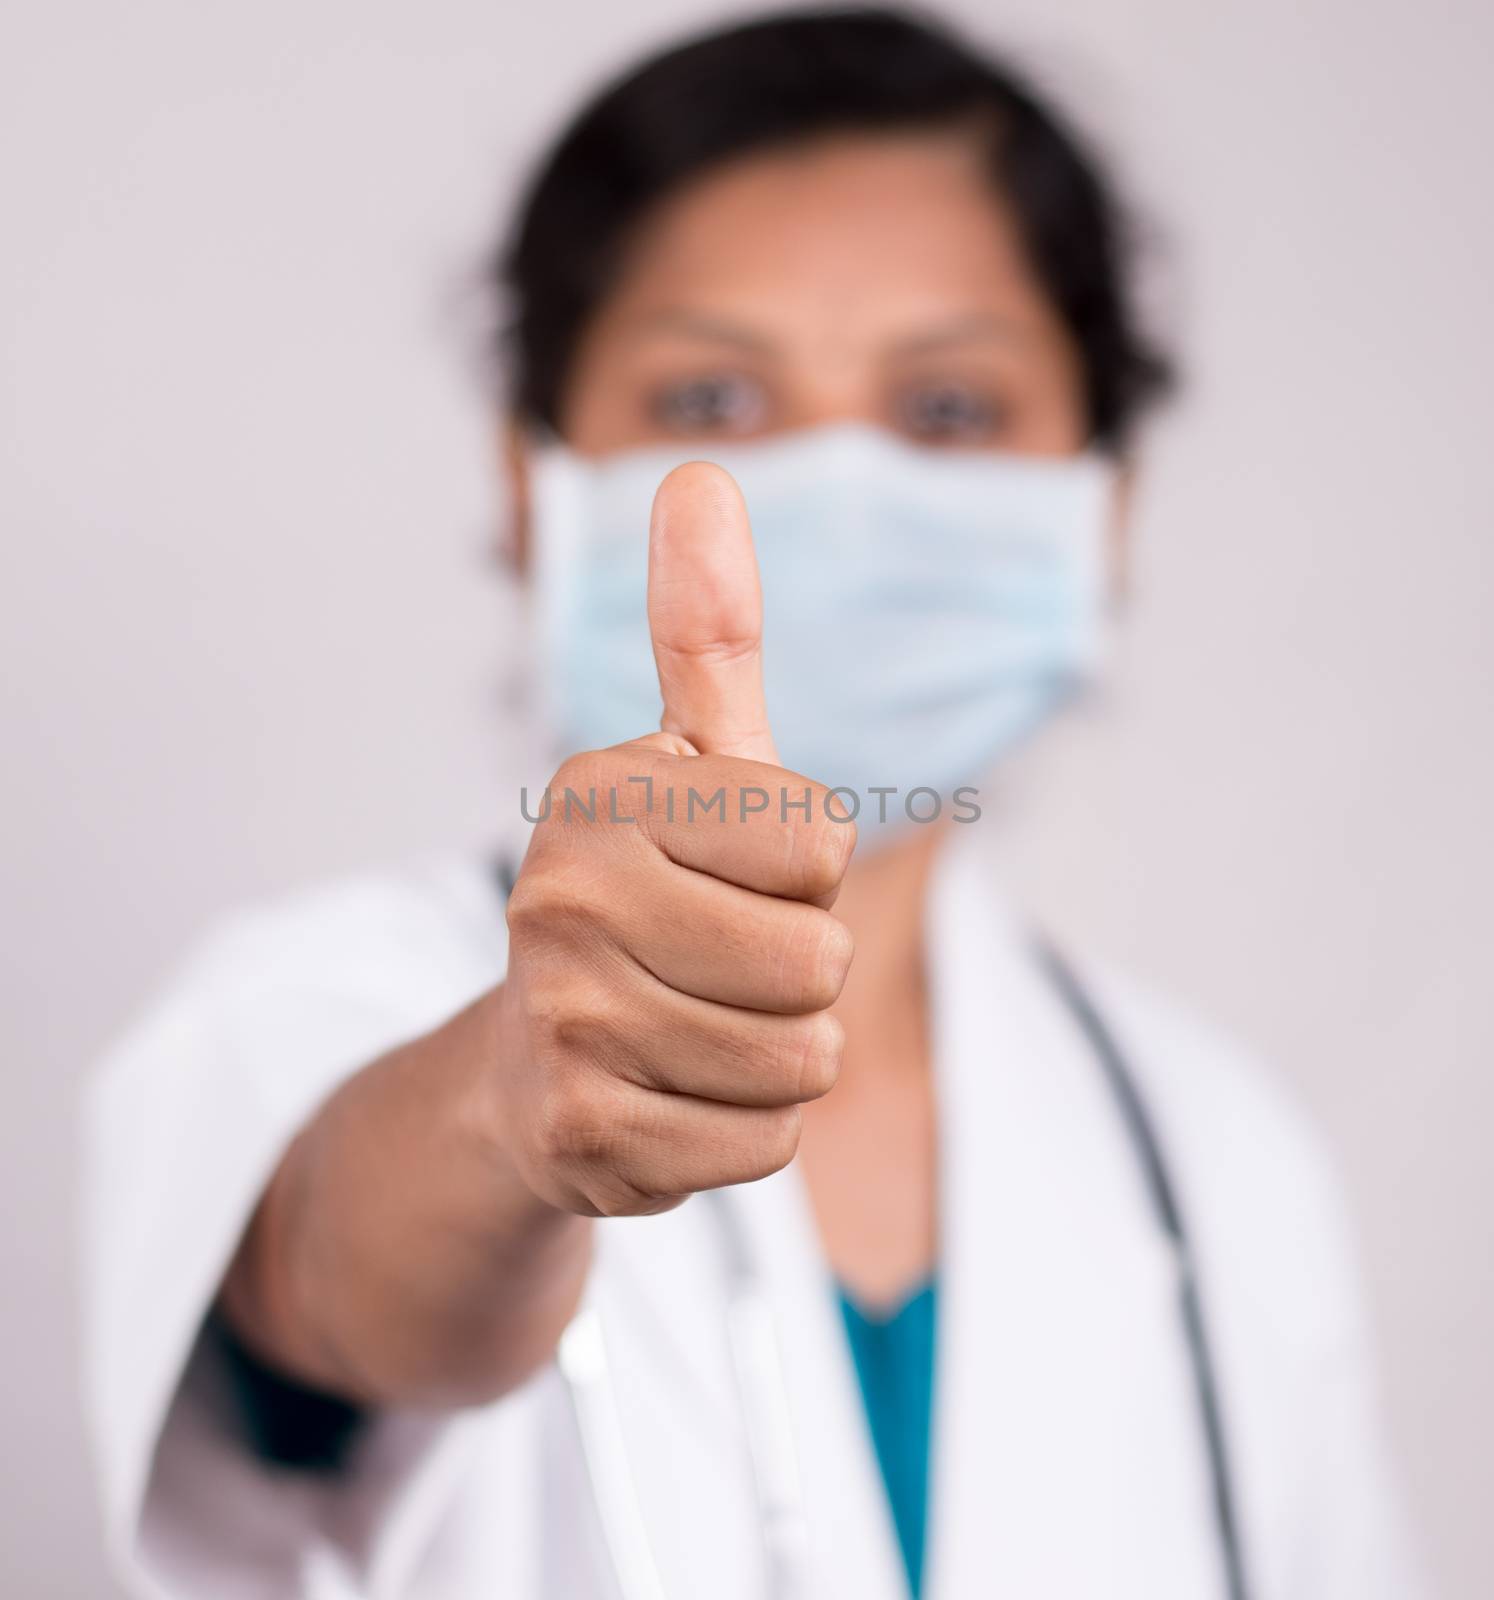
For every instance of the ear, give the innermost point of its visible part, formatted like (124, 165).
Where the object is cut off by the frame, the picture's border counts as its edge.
(513, 467)
(1118, 531)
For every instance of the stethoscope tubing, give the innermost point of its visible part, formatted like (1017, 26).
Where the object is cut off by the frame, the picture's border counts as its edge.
(1162, 1195)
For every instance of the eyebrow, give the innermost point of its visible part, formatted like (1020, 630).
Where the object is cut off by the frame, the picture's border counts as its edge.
(979, 327)
(706, 325)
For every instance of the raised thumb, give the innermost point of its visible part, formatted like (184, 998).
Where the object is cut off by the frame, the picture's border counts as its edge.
(705, 614)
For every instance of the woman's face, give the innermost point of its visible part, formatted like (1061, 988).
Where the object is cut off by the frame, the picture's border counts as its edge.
(874, 278)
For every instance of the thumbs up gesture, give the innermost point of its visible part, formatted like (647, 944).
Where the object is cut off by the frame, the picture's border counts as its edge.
(673, 954)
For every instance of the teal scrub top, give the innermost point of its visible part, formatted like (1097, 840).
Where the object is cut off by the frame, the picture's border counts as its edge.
(894, 1358)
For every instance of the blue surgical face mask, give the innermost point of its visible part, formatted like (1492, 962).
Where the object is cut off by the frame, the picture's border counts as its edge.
(923, 611)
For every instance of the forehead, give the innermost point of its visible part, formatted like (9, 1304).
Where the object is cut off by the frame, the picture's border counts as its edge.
(849, 233)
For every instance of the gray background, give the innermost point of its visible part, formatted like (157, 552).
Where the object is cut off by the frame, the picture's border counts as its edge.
(250, 637)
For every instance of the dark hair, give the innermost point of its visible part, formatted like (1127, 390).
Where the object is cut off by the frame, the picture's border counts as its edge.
(780, 79)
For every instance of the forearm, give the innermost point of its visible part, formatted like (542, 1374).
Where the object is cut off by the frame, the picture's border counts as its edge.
(396, 1256)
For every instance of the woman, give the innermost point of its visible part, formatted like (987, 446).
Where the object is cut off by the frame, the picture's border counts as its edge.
(998, 1277)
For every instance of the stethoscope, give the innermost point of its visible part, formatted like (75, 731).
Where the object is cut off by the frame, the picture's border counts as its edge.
(582, 1358)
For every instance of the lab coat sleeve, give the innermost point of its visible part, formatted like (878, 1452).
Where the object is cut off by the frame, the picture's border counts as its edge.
(184, 1123)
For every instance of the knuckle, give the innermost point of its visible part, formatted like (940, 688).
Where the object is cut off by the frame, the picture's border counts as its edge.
(581, 771)
(582, 794)
(827, 959)
(822, 1044)
(614, 1197)
(775, 1141)
(630, 1178)
(824, 851)
(837, 952)
(558, 900)
(525, 910)
(563, 1124)
(537, 904)
(586, 1025)
(582, 1116)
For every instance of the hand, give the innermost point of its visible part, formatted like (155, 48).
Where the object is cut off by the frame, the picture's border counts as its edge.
(671, 966)
(423, 1241)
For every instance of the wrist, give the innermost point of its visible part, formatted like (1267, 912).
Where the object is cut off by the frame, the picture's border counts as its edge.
(491, 1053)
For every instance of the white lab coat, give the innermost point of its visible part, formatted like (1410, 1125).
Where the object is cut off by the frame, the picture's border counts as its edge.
(1067, 1458)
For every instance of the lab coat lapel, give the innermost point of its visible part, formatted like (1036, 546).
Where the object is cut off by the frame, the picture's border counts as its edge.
(1066, 1457)
(853, 1552)
(1066, 1454)
(663, 1292)
(661, 1287)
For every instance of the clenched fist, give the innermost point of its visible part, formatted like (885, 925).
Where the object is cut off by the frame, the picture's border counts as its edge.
(665, 1013)
(673, 952)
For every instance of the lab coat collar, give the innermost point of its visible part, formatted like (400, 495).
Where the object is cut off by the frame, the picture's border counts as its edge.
(1066, 1456)
(1062, 1390)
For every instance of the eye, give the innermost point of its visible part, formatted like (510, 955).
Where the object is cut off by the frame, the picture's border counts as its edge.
(718, 403)
(948, 413)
